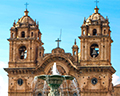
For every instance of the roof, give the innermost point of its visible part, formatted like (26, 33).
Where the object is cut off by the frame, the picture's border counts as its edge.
(117, 85)
(95, 17)
(25, 20)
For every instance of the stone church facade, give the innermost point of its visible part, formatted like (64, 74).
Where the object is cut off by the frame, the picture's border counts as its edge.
(91, 67)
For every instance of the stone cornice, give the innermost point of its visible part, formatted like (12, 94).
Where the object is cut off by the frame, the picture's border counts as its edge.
(19, 70)
(96, 69)
(98, 36)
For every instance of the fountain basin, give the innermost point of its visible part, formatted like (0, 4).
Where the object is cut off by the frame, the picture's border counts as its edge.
(54, 81)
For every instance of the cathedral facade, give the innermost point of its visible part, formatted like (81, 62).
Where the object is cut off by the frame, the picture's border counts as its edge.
(91, 67)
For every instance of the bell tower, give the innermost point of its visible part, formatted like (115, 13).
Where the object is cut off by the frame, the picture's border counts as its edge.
(95, 41)
(24, 45)
(24, 41)
(95, 61)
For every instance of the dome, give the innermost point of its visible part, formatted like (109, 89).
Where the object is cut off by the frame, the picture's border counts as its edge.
(41, 47)
(58, 50)
(25, 20)
(75, 46)
(95, 17)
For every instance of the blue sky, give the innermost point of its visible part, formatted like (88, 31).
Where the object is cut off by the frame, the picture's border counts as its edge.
(54, 15)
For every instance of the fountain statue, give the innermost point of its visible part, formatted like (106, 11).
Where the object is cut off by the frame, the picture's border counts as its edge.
(54, 80)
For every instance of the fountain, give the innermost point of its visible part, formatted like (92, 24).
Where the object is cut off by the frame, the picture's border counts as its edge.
(54, 80)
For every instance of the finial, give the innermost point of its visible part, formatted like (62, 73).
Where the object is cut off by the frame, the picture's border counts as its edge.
(96, 9)
(106, 17)
(84, 20)
(35, 21)
(26, 12)
(38, 23)
(75, 42)
(14, 23)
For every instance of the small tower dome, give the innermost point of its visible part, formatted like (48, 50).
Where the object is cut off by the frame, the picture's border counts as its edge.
(75, 46)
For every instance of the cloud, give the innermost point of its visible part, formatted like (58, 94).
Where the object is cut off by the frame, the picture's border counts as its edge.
(3, 87)
(3, 65)
(115, 79)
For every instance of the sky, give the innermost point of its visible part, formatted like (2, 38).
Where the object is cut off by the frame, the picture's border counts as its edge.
(54, 15)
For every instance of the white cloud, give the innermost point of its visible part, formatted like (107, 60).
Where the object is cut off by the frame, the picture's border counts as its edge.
(3, 65)
(115, 79)
(3, 87)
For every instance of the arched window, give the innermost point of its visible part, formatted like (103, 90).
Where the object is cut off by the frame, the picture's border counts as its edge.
(12, 35)
(39, 94)
(94, 32)
(23, 52)
(23, 34)
(40, 54)
(83, 32)
(31, 34)
(74, 52)
(104, 31)
(94, 50)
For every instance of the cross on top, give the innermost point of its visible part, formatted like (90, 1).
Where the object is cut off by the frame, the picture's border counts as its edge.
(96, 2)
(26, 4)
(58, 42)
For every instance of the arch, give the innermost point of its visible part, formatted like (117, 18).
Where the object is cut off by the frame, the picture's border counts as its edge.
(94, 32)
(104, 31)
(83, 32)
(49, 66)
(94, 50)
(50, 59)
(75, 94)
(40, 54)
(75, 52)
(58, 56)
(31, 34)
(39, 94)
(23, 52)
(22, 34)
(12, 35)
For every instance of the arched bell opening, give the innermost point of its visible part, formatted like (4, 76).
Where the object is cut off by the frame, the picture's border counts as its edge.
(94, 50)
(23, 52)
(31, 34)
(12, 36)
(74, 53)
(94, 32)
(23, 34)
(83, 32)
